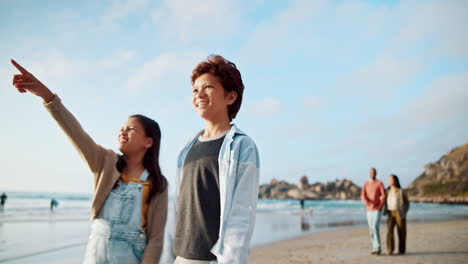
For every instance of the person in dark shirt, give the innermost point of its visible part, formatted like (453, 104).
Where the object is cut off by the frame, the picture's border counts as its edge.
(217, 177)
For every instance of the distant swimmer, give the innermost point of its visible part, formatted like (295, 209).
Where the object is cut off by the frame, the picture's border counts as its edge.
(3, 199)
(53, 204)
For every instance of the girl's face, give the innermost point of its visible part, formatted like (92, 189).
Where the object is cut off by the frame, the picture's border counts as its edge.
(391, 181)
(132, 137)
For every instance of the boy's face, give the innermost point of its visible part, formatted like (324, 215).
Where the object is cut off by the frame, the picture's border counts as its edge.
(210, 99)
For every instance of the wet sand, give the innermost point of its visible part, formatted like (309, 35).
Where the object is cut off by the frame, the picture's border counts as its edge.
(438, 242)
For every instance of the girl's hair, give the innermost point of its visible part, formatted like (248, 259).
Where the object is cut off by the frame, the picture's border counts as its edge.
(158, 182)
(397, 181)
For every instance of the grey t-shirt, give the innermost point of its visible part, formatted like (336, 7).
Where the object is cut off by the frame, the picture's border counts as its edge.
(198, 207)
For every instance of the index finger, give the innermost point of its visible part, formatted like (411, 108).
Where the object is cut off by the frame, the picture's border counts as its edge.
(19, 67)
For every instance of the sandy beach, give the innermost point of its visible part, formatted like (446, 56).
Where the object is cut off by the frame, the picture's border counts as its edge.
(437, 242)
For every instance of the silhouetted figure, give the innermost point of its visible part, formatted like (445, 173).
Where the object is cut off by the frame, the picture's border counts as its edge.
(3, 199)
(53, 204)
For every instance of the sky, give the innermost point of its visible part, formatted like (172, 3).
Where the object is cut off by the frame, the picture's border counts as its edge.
(332, 88)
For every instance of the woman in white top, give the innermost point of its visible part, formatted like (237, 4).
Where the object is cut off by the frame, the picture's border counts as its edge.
(396, 207)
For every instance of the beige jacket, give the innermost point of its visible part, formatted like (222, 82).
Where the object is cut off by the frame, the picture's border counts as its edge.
(402, 202)
(102, 163)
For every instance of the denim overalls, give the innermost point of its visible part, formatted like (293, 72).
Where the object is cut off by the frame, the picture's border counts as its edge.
(116, 235)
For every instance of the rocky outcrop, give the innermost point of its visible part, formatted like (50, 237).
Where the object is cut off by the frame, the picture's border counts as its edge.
(445, 181)
(337, 190)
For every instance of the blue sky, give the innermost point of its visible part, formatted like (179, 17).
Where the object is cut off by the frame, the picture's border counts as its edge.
(332, 87)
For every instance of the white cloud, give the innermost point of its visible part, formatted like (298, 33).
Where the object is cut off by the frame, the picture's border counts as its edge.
(54, 65)
(427, 120)
(311, 102)
(445, 100)
(441, 23)
(266, 107)
(282, 32)
(164, 66)
(119, 58)
(121, 9)
(188, 20)
(342, 31)
(383, 76)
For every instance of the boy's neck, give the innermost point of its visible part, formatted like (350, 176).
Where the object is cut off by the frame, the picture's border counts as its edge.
(213, 129)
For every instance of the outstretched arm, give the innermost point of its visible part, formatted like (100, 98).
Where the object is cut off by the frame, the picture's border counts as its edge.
(89, 151)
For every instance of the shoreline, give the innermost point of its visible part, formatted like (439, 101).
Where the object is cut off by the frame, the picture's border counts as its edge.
(350, 225)
(412, 199)
(440, 200)
(434, 242)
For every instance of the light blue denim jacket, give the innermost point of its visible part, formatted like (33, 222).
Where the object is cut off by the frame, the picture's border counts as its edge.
(239, 171)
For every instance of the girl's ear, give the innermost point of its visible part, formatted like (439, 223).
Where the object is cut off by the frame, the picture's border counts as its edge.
(231, 97)
(149, 143)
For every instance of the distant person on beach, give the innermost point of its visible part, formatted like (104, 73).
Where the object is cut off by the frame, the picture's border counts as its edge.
(3, 199)
(396, 206)
(129, 206)
(53, 204)
(310, 209)
(217, 175)
(373, 196)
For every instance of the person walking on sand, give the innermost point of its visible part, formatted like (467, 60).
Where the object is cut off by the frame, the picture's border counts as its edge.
(3, 199)
(129, 206)
(396, 206)
(217, 175)
(373, 196)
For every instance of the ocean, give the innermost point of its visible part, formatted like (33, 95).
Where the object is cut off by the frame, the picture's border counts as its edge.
(31, 233)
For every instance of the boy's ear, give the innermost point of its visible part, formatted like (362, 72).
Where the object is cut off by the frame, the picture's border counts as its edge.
(231, 97)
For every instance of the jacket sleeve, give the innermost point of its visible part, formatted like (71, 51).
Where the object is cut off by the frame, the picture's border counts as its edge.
(385, 209)
(364, 198)
(241, 220)
(168, 256)
(405, 200)
(88, 150)
(156, 224)
(382, 198)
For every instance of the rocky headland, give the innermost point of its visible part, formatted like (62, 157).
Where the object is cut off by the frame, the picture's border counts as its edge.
(336, 190)
(444, 181)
